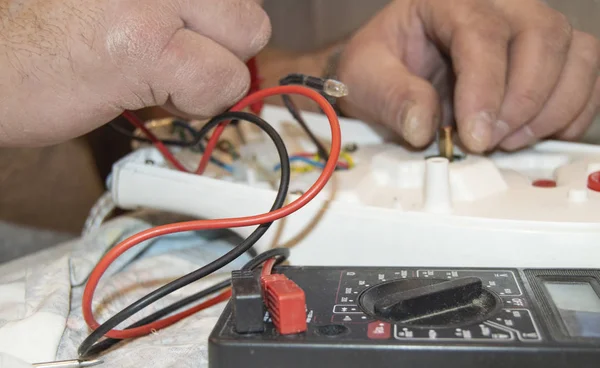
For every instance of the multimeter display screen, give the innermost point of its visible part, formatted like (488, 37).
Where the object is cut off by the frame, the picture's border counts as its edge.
(578, 305)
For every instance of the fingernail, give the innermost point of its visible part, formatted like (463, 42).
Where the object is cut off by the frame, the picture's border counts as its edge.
(479, 132)
(415, 127)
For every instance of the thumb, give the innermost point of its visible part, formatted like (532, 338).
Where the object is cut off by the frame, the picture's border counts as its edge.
(387, 92)
(195, 77)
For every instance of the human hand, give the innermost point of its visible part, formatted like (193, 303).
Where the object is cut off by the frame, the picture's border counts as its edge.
(69, 66)
(509, 72)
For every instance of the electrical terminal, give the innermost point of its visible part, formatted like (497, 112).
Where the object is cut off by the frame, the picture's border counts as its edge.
(445, 143)
(247, 302)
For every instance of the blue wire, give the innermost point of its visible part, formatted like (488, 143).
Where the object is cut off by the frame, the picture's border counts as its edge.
(221, 164)
(303, 159)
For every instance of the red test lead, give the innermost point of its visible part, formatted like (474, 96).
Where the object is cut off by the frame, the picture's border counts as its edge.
(286, 303)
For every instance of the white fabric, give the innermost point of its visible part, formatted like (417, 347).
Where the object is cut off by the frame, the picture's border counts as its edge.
(40, 297)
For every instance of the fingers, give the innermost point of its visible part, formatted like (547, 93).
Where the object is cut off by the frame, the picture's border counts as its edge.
(241, 26)
(197, 76)
(477, 39)
(569, 97)
(537, 57)
(480, 66)
(577, 128)
(386, 92)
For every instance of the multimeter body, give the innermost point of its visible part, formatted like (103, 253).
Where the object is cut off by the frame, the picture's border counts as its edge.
(427, 317)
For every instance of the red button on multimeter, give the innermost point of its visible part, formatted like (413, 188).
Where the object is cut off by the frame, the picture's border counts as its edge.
(594, 181)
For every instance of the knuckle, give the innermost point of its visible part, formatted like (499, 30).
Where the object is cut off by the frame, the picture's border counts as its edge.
(138, 40)
(560, 22)
(557, 29)
(493, 28)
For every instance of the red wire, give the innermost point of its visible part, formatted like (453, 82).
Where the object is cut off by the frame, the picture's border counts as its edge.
(165, 322)
(258, 96)
(214, 139)
(133, 119)
(255, 80)
(256, 108)
(268, 267)
(196, 225)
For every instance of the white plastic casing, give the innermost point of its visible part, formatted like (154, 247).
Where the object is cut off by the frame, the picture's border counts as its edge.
(436, 191)
(398, 207)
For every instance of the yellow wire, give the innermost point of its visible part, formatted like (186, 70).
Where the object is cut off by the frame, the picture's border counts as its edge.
(346, 156)
(343, 155)
(308, 168)
(302, 169)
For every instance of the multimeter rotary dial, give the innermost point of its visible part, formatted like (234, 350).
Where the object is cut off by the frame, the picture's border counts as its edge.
(430, 303)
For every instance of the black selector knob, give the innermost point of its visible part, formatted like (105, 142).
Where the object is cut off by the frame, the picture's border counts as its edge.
(430, 302)
(405, 304)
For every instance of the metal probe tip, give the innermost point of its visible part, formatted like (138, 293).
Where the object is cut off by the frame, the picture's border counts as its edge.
(90, 363)
(74, 363)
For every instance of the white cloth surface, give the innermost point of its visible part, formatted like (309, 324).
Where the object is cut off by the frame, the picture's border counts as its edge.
(40, 297)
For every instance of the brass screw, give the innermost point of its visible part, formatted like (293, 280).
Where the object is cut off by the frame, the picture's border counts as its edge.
(446, 145)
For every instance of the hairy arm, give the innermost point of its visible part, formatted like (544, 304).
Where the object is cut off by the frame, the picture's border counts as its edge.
(69, 66)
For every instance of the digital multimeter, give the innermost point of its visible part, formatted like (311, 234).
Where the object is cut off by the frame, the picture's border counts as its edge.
(427, 317)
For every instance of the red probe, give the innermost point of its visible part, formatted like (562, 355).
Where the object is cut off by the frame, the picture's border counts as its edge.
(285, 301)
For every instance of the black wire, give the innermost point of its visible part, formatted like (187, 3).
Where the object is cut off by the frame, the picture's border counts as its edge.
(305, 80)
(301, 79)
(287, 100)
(106, 344)
(293, 109)
(223, 260)
(186, 126)
(194, 144)
(281, 254)
(169, 142)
